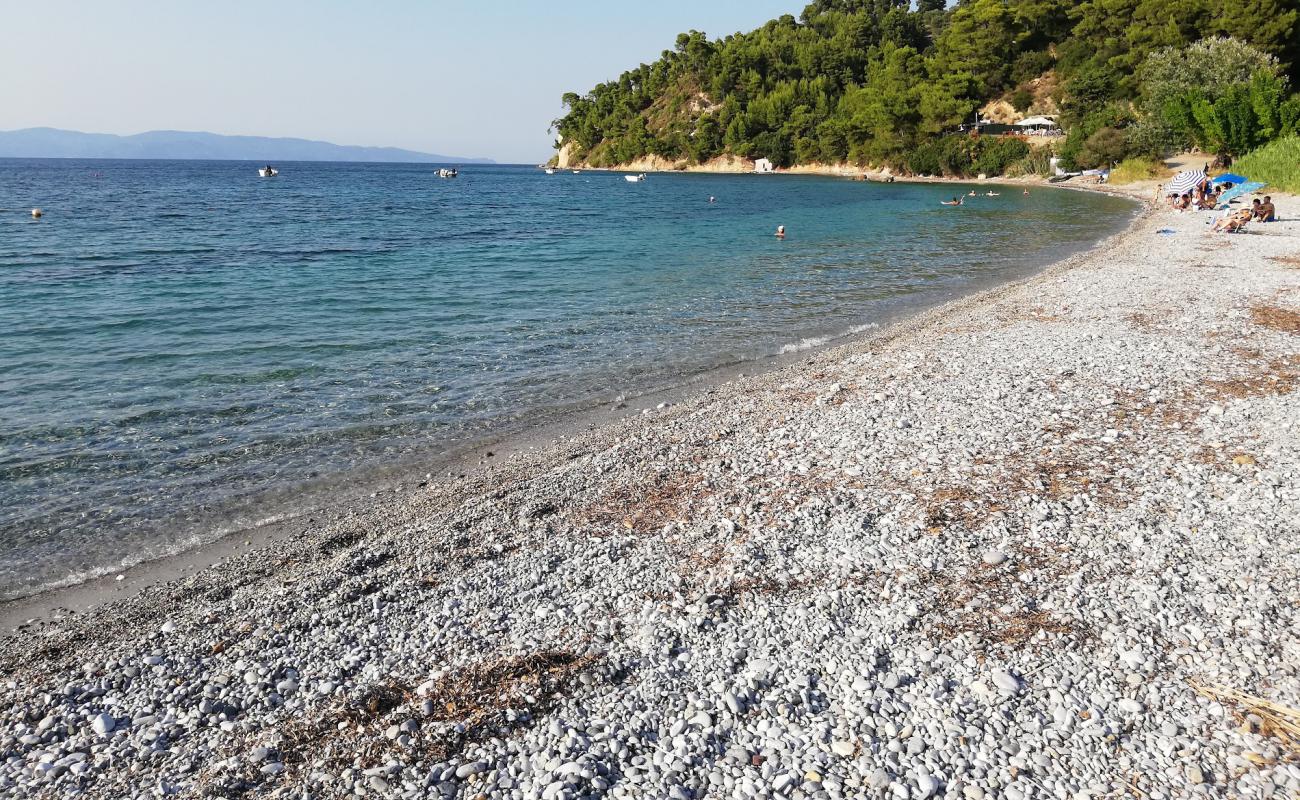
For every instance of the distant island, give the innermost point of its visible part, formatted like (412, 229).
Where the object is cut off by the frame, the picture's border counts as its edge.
(55, 143)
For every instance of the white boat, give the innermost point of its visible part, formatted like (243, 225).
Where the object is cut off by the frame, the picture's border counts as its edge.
(447, 173)
(577, 172)
(268, 172)
(550, 171)
(634, 178)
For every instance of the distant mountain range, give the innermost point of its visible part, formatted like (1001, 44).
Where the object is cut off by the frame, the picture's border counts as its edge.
(55, 143)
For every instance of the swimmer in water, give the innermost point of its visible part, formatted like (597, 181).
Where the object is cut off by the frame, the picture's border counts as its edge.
(712, 199)
(780, 231)
(992, 193)
(956, 201)
(1025, 193)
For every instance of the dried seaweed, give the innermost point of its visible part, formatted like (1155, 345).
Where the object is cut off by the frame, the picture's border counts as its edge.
(1275, 317)
(646, 507)
(1258, 715)
(1275, 377)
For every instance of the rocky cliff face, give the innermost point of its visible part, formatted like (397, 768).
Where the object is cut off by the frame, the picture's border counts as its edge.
(564, 159)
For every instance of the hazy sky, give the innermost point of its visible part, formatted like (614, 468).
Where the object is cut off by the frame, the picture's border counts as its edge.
(462, 78)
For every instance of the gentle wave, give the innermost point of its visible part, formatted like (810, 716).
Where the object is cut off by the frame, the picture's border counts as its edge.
(811, 342)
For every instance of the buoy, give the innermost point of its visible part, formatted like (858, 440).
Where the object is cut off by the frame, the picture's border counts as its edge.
(37, 213)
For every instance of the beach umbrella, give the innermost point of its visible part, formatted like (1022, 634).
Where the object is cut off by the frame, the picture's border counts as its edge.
(1240, 189)
(1185, 181)
(1232, 178)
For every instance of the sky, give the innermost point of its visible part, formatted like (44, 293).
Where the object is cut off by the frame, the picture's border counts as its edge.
(476, 78)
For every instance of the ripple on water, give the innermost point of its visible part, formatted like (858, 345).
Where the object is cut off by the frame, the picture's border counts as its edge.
(227, 349)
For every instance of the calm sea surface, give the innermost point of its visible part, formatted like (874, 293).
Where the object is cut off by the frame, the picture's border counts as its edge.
(186, 348)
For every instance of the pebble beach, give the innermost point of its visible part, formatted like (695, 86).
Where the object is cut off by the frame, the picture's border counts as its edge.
(1041, 542)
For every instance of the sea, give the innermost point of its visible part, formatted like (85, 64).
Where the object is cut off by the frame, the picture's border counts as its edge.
(187, 349)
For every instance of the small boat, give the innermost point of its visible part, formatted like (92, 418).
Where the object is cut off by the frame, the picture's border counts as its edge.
(268, 172)
(634, 178)
(447, 173)
(550, 171)
(577, 172)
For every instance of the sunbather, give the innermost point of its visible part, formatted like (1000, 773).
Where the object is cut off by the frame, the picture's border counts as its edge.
(1234, 222)
(1266, 212)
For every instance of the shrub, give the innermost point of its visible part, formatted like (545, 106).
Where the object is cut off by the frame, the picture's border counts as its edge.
(1102, 149)
(993, 156)
(1022, 99)
(955, 155)
(924, 159)
(1242, 117)
(1276, 163)
(1219, 93)
(963, 156)
(1152, 138)
(1110, 115)
(947, 155)
(1289, 116)
(1038, 162)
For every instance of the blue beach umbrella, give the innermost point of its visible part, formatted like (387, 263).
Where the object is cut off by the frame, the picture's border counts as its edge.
(1240, 189)
(1232, 178)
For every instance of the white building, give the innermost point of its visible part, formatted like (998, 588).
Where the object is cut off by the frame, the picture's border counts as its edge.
(763, 166)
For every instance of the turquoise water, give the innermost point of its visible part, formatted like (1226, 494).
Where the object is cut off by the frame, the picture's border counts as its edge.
(185, 345)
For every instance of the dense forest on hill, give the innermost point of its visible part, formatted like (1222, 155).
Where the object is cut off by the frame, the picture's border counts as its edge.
(880, 81)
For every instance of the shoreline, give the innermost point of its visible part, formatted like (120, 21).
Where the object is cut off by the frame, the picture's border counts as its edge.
(1040, 515)
(275, 521)
(1138, 190)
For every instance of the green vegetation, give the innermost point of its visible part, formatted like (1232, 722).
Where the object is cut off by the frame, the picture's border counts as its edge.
(1038, 162)
(1132, 170)
(965, 155)
(1277, 164)
(881, 81)
(1218, 94)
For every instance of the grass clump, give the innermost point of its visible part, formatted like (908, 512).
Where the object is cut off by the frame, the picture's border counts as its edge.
(1276, 163)
(1132, 170)
(1038, 162)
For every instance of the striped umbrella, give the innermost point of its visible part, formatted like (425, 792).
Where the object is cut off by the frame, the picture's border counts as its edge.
(1185, 181)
